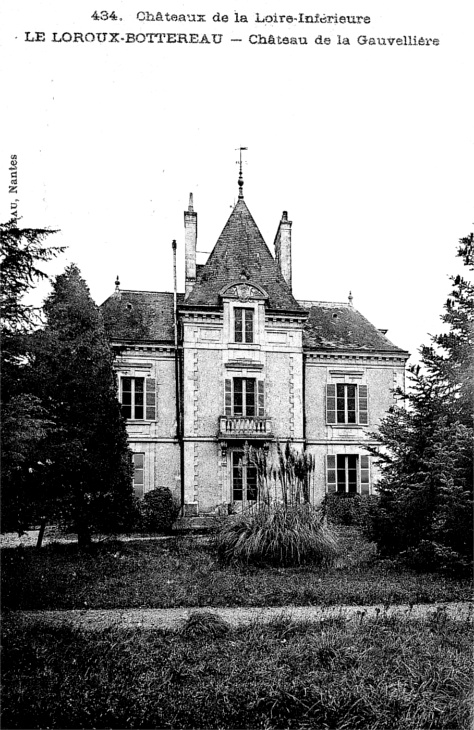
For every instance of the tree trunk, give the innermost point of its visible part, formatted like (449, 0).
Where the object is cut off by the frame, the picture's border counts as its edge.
(39, 542)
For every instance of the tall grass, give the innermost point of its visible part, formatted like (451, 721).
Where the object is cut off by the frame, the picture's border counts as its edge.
(277, 534)
(281, 527)
(373, 675)
(286, 477)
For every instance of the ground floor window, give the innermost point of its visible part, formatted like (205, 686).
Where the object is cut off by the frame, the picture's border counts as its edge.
(138, 474)
(348, 473)
(244, 479)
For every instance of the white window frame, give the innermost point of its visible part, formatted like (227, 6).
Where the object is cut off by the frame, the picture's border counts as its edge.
(229, 402)
(149, 397)
(132, 405)
(246, 311)
(361, 396)
(363, 476)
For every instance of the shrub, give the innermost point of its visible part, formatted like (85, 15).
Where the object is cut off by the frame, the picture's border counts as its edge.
(351, 510)
(430, 555)
(277, 534)
(204, 623)
(159, 510)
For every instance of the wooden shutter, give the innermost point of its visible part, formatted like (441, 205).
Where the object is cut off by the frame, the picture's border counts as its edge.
(363, 405)
(150, 413)
(330, 404)
(228, 397)
(331, 481)
(364, 475)
(138, 474)
(261, 398)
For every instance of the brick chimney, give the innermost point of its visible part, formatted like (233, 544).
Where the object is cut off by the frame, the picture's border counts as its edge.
(283, 248)
(190, 239)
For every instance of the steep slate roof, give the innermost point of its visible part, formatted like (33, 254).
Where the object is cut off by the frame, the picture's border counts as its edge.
(140, 315)
(241, 247)
(337, 326)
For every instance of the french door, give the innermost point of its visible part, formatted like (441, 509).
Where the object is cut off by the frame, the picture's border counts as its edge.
(346, 473)
(244, 479)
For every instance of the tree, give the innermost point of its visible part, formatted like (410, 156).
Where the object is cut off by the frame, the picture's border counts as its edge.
(425, 506)
(25, 421)
(21, 251)
(450, 358)
(90, 476)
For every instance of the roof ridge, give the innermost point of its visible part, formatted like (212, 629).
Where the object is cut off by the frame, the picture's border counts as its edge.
(146, 291)
(319, 302)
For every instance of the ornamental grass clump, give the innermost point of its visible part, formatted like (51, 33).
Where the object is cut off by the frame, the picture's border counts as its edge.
(277, 534)
(280, 526)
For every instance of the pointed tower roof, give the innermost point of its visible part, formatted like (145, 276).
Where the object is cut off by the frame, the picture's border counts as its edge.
(240, 249)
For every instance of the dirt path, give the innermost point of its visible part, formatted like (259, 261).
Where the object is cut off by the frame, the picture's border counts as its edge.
(151, 618)
(53, 535)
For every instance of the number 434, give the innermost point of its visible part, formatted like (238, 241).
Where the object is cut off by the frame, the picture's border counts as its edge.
(104, 15)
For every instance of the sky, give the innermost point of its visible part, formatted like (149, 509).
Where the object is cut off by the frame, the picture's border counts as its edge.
(368, 148)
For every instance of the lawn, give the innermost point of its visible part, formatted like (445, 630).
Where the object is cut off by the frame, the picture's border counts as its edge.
(385, 673)
(185, 572)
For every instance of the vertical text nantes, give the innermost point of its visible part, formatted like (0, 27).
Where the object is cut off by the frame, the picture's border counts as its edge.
(13, 186)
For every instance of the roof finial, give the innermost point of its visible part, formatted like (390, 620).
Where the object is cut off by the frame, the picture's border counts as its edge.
(241, 180)
(350, 299)
(117, 284)
(190, 206)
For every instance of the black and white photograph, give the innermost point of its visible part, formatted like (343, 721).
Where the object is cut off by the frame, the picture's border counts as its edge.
(237, 365)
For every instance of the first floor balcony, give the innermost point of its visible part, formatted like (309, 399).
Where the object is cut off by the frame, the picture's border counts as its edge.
(245, 427)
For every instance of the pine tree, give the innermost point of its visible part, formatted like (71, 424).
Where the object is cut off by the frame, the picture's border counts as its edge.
(450, 358)
(25, 421)
(90, 476)
(425, 507)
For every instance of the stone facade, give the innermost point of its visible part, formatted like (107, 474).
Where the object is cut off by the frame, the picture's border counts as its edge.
(252, 365)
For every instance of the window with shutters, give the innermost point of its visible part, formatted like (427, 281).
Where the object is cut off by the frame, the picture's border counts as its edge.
(243, 325)
(244, 397)
(244, 479)
(348, 473)
(137, 396)
(346, 404)
(138, 474)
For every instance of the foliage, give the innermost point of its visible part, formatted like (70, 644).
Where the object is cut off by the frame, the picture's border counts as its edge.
(21, 251)
(286, 480)
(25, 470)
(185, 571)
(425, 508)
(26, 420)
(277, 534)
(203, 623)
(349, 509)
(449, 360)
(159, 510)
(281, 527)
(377, 675)
(90, 478)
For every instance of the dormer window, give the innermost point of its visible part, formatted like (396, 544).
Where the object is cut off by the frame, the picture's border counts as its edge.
(243, 325)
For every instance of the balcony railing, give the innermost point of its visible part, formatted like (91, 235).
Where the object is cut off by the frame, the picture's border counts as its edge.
(245, 426)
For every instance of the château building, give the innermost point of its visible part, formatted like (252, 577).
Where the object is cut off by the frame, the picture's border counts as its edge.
(237, 358)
